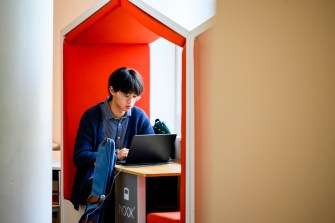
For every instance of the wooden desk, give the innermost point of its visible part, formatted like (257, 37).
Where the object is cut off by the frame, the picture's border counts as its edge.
(159, 170)
(131, 189)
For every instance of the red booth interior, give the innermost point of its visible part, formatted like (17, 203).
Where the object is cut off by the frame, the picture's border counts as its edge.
(118, 34)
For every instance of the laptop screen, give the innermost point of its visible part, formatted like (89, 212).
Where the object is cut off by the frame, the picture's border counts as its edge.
(150, 149)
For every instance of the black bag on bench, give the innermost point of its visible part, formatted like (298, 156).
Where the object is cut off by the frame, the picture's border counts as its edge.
(160, 127)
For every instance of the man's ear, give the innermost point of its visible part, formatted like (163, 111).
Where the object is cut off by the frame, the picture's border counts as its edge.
(111, 90)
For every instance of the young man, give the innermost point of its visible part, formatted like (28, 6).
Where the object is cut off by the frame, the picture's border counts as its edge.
(116, 119)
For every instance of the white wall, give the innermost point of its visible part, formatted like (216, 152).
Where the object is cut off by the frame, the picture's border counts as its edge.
(26, 114)
(165, 88)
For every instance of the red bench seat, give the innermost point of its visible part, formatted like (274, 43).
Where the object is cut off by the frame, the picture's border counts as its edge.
(164, 217)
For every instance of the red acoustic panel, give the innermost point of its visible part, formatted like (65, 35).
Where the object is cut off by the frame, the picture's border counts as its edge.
(91, 21)
(86, 70)
(111, 24)
(153, 24)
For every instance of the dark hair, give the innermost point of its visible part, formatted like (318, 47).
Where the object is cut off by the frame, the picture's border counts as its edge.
(126, 80)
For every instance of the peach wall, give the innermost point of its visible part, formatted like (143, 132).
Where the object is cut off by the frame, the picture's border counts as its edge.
(268, 114)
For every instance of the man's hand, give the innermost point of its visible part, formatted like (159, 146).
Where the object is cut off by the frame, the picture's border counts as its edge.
(122, 153)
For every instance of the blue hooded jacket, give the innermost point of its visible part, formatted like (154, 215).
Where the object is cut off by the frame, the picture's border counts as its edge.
(88, 138)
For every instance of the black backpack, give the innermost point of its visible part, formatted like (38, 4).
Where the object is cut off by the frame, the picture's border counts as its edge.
(160, 127)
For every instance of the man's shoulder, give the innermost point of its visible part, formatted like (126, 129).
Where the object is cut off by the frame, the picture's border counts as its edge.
(93, 111)
(137, 111)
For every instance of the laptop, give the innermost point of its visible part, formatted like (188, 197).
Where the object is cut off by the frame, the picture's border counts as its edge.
(150, 149)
